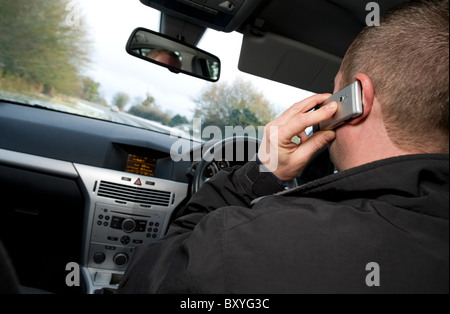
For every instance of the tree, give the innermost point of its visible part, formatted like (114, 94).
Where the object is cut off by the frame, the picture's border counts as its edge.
(90, 90)
(236, 104)
(178, 120)
(243, 117)
(149, 102)
(148, 109)
(38, 45)
(120, 100)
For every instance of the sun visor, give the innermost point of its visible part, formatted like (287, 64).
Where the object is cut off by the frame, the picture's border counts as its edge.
(221, 15)
(290, 62)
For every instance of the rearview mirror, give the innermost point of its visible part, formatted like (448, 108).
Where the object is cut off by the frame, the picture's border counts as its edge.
(177, 56)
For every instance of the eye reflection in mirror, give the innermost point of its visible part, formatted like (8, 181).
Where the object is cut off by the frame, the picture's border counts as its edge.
(177, 56)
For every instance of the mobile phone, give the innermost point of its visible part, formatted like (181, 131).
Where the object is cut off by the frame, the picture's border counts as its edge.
(350, 106)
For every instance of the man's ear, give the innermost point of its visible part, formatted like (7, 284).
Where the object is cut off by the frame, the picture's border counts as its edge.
(367, 95)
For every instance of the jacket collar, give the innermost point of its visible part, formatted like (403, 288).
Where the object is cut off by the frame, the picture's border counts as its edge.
(415, 182)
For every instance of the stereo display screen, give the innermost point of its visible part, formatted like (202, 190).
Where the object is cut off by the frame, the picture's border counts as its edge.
(141, 165)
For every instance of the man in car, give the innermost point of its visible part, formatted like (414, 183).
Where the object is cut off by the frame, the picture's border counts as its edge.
(165, 56)
(379, 225)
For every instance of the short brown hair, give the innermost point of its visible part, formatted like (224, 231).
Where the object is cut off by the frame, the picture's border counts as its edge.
(407, 59)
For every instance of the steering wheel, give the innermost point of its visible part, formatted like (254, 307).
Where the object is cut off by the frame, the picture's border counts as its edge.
(232, 149)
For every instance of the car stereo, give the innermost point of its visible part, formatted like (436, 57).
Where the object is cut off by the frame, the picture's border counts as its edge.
(116, 231)
(123, 210)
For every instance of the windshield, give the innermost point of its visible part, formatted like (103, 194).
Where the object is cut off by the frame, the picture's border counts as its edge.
(70, 56)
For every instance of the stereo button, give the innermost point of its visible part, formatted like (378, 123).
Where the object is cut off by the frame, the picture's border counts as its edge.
(99, 257)
(125, 240)
(120, 259)
(116, 222)
(128, 225)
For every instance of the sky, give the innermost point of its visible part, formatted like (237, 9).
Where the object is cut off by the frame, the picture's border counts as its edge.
(109, 25)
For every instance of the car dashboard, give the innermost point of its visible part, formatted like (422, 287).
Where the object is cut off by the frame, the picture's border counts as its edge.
(76, 189)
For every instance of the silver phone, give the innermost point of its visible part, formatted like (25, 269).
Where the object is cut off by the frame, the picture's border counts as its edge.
(350, 106)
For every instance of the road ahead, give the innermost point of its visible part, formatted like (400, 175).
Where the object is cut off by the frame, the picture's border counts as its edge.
(92, 110)
(128, 119)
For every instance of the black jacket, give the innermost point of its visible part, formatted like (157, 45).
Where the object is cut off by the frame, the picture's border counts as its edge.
(317, 238)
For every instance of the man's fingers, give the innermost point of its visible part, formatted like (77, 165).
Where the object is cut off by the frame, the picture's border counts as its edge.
(298, 123)
(302, 107)
(314, 144)
(288, 159)
(308, 104)
(303, 137)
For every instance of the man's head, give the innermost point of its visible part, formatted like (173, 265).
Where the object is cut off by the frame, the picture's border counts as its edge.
(404, 66)
(165, 56)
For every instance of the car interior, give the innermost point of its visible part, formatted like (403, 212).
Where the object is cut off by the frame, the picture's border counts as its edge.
(83, 190)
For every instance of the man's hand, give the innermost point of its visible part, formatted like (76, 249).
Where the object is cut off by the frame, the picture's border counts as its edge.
(279, 154)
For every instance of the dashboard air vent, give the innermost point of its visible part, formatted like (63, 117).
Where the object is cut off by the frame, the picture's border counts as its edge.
(134, 194)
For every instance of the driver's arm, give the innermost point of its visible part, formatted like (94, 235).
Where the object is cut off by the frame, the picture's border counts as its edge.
(190, 258)
(237, 186)
(279, 160)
